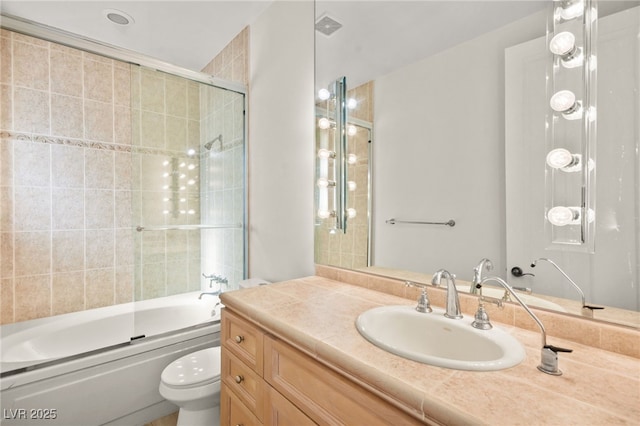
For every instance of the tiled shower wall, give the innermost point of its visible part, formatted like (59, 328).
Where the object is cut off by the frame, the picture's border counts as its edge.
(65, 181)
(76, 175)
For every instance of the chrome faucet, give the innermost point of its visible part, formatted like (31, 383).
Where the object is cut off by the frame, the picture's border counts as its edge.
(549, 353)
(587, 310)
(424, 305)
(477, 274)
(220, 280)
(453, 303)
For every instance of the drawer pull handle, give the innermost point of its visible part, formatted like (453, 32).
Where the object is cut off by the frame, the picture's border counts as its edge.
(239, 379)
(239, 339)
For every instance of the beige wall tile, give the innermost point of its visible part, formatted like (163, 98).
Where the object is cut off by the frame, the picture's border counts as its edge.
(176, 133)
(67, 292)
(6, 107)
(6, 255)
(31, 40)
(68, 208)
(6, 162)
(67, 116)
(67, 251)
(177, 279)
(31, 111)
(32, 297)
(98, 121)
(99, 209)
(66, 72)
(99, 248)
(32, 208)
(122, 125)
(124, 284)
(123, 209)
(6, 301)
(152, 97)
(123, 170)
(32, 164)
(6, 60)
(122, 84)
(152, 130)
(99, 288)
(176, 92)
(99, 169)
(30, 65)
(124, 247)
(32, 253)
(98, 80)
(153, 281)
(67, 166)
(6, 209)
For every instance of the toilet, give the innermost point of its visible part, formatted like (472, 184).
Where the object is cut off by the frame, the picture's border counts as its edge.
(192, 382)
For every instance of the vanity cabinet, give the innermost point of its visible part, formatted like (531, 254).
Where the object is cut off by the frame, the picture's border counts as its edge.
(267, 381)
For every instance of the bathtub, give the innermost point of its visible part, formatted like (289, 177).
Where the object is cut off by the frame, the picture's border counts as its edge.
(100, 366)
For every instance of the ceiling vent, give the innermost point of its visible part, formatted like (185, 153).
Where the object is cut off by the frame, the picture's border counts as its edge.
(327, 25)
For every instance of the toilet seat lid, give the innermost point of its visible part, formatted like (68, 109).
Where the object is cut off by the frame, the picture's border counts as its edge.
(194, 368)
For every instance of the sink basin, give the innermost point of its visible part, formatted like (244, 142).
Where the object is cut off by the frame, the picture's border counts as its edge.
(530, 300)
(433, 339)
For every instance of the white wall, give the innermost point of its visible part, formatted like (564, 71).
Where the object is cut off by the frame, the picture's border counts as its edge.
(439, 155)
(281, 140)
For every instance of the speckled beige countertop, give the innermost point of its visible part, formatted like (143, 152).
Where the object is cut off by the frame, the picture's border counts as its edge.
(317, 315)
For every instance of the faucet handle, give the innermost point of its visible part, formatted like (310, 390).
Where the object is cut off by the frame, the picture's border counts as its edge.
(549, 361)
(424, 305)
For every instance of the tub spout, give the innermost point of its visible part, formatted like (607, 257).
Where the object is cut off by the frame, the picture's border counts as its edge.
(209, 293)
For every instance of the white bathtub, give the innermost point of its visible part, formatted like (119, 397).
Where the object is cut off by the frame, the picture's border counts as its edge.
(84, 368)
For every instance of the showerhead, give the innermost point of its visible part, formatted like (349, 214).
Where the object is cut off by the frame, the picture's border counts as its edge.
(209, 144)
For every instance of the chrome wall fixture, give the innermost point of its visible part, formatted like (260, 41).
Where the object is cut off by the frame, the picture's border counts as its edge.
(571, 125)
(333, 157)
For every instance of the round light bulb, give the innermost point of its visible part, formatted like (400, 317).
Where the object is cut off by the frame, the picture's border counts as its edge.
(323, 183)
(351, 213)
(563, 101)
(352, 159)
(325, 153)
(352, 185)
(323, 214)
(561, 216)
(562, 43)
(324, 94)
(352, 130)
(352, 103)
(191, 152)
(324, 123)
(560, 158)
(572, 10)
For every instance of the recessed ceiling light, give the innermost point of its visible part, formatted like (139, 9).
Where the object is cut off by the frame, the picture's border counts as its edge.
(118, 17)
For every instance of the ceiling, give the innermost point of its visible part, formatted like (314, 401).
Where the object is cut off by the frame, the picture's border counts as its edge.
(184, 33)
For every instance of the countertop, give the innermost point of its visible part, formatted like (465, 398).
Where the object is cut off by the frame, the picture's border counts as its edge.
(317, 315)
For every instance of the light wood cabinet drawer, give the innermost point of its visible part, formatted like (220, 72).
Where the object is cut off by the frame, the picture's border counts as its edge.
(243, 339)
(280, 412)
(325, 396)
(244, 382)
(233, 412)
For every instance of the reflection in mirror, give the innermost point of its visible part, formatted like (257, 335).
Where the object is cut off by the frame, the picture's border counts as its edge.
(458, 103)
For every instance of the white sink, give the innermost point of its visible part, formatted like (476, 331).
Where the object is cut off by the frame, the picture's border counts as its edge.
(431, 338)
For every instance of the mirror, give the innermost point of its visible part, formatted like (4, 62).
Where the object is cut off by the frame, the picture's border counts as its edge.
(456, 100)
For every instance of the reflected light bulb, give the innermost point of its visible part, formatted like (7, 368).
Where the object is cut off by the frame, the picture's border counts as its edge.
(561, 216)
(560, 158)
(352, 185)
(563, 101)
(323, 214)
(324, 94)
(323, 183)
(352, 130)
(351, 213)
(325, 153)
(191, 152)
(562, 43)
(352, 103)
(572, 9)
(352, 159)
(324, 123)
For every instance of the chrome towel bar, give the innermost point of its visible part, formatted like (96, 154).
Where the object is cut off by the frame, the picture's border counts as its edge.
(393, 221)
(186, 227)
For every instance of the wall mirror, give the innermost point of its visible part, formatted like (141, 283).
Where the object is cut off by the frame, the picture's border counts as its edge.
(450, 109)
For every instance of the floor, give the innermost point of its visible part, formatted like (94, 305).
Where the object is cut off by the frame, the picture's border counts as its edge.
(169, 420)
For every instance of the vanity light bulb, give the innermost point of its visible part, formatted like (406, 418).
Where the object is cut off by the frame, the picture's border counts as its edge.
(191, 152)
(560, 158)
(191, 166)
(323, 183)
(324, 123)
(561, 216)
(324, 94)
(571, 9)
(563, 101)
(323, 214)
(352, 103)
(352, 159)
(352, 185)
(562, 43)
(352, 130)
(325, 153)
(351, 213)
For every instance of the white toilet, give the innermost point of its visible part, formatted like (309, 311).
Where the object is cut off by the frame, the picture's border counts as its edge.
(192, 382)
